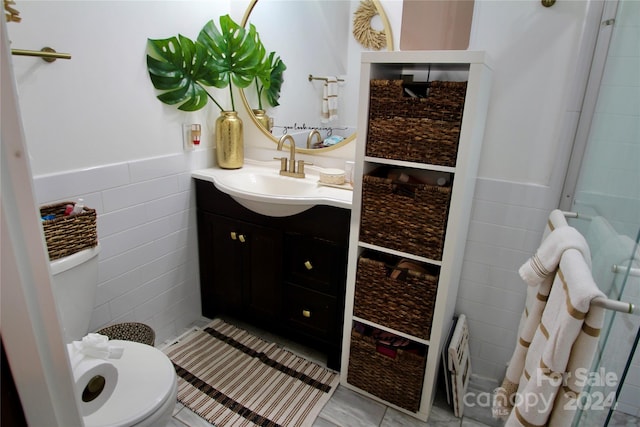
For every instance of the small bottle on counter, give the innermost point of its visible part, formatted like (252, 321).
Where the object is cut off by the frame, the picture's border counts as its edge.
(349, 167)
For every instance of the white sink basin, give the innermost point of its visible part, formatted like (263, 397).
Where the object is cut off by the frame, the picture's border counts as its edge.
(263, 190)
(269, 185)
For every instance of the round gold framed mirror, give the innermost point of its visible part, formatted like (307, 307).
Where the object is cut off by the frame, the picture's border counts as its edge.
(316, 41)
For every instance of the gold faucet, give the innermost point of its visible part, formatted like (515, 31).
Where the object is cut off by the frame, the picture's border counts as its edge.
(310, 137)
(291, 170)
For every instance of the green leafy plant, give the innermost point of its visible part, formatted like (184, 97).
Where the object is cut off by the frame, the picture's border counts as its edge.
(268, 82)
(183, 68)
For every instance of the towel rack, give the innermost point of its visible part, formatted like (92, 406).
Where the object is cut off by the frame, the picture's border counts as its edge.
(621, 306)
(635, 272)
(611, 304)
(46, 53)
(312, 77)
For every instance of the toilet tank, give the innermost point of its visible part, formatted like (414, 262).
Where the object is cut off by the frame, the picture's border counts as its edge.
(74, 286)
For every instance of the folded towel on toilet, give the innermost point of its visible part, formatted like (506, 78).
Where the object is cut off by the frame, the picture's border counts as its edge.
(96, 346)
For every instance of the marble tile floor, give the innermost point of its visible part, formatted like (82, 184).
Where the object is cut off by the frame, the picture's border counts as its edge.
(347, 408)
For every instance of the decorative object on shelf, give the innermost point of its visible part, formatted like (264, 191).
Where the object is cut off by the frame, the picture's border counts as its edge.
(363, 32)
(182, 68)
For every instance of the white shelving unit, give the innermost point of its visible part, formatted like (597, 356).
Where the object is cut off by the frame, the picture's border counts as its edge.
(474, 68)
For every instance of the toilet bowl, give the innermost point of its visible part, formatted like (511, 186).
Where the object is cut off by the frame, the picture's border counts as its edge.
(145, 394)
(146, 388)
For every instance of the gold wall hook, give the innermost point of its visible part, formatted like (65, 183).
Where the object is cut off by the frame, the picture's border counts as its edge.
(548, 3)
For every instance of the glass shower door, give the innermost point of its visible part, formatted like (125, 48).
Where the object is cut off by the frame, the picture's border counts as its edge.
(607, 203)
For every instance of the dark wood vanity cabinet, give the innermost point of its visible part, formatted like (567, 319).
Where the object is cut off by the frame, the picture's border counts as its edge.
(238, 260)
(283, 274)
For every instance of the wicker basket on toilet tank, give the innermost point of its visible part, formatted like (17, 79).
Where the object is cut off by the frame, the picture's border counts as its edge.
(68, 234)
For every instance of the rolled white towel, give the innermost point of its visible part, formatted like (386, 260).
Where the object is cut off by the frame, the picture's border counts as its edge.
(544, 262)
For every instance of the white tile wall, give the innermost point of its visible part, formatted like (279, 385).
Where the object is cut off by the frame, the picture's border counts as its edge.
(507, 221)
(148, 265)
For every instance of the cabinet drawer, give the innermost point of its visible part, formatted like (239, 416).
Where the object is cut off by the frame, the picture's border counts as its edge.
(309, 311)
(314, 263)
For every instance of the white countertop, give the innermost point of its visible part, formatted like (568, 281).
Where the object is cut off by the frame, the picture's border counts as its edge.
(318, 194)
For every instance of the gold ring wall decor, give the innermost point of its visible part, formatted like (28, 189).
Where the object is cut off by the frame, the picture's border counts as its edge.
(388, 42)
(363, 32)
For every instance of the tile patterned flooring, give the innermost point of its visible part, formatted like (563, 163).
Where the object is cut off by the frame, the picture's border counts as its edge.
(349, 409)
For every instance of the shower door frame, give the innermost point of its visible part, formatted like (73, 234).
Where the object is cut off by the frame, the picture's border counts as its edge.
(598, 62)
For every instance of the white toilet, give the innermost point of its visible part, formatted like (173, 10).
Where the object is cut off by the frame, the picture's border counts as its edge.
(145, 394)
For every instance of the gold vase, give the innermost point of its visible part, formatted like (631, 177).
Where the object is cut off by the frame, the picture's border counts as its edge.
(229, 140)
(263, 119)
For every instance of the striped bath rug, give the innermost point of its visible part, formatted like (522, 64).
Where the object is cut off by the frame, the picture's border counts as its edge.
(232, 378)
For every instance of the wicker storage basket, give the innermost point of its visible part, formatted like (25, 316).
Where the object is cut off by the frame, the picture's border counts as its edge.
(423, 130)
(66, 235)
(405, 303)
(404, 216)
(130, 331)
(397, 380)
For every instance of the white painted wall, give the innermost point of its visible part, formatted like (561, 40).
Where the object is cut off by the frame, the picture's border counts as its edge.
(98, 112)
(100, 107)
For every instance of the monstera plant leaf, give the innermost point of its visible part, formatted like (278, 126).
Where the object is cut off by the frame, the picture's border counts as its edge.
(234, 50)
(182, 68)
(276, 68)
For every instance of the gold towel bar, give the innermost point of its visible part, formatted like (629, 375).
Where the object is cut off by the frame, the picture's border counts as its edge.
(47, 54)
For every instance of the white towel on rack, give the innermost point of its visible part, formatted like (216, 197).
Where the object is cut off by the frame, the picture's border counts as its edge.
(558, 236)
(544, 262)
(325, 103)
(555, 220)
(564, 342)
(330, 99)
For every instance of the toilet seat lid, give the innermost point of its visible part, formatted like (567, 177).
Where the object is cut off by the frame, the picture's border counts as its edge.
(145, 378)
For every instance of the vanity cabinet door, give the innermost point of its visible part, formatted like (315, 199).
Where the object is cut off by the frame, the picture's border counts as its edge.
(262, 273)
(314, 263)
(240, 267)
(220, 266)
